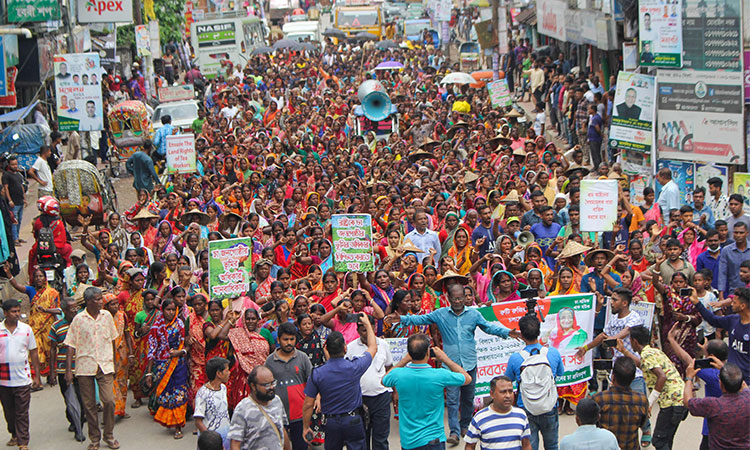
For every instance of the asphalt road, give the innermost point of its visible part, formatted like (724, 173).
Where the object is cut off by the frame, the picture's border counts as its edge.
(49, 426)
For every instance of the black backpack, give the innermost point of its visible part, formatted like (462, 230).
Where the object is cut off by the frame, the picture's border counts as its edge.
(45, 238)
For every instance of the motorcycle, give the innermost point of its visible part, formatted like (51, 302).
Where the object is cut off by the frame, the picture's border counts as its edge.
(47, 258)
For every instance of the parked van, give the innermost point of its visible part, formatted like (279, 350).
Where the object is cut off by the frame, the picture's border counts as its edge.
(301, 31)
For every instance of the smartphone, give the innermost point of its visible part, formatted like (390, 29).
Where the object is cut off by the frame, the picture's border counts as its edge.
(353, 318)
(432, 352)
(267, 307)
(686, 292)
(703, 363)
(610, 343)
(528, 293)
(309, 436)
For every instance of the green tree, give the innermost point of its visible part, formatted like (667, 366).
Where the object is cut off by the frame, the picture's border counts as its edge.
(171, 25)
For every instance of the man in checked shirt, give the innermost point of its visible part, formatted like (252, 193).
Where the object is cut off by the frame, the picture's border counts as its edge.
(623, 410)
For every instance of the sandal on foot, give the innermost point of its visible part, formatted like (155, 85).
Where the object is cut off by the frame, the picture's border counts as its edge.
(23, 447)
(12, 442)
(113, 444)
(93, 446)
(178, 434)
(136, 404)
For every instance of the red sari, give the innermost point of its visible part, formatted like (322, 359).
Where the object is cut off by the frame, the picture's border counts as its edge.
(197, 355)
(250, 350)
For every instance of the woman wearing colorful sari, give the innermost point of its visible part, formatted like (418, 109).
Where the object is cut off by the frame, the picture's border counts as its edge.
(678, 312)
(196, 343)
(263, 280)
(427, 302)
(140, 328)
(249, 348)
(216, 331)
(503, 287)
(325, 254)
(534, 258)
(45, 306)
(401, 305)
(167, 372)
(165, 242)
(123, 349)
(452, 224)
(462, 251)
(331, 290)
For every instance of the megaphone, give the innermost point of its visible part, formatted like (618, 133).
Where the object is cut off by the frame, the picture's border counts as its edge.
(525, 239)
(375, 101)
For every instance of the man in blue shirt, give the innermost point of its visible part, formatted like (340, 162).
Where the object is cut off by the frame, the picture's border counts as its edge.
(457, 325)
(486, 230)
(160, 137)
(730, 259)
(337, 382)
(547, 423)
(546, 231)
(420, 390)
(141, 166)
(588, 435)
(702, 214)
(597, 260)
(710, 258)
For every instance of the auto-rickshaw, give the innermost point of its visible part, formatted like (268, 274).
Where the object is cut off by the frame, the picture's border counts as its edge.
(470, 56)
(130, 123)
(83, 191)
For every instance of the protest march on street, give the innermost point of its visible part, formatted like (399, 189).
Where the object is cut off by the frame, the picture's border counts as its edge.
(374, 226)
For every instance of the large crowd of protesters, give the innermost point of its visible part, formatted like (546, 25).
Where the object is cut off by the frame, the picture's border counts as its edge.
(449, 191)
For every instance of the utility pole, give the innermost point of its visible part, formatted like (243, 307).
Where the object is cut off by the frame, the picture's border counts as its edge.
(496, 50)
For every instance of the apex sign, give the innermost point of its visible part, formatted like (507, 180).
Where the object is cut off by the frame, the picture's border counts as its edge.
(90, 11)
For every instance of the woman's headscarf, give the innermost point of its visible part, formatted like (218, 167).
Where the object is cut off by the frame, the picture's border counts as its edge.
(457, 253)
(448, 244)
(496, 281)
(169, 246)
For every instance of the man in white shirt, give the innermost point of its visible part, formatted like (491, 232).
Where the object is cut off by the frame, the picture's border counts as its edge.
(375, 396)
(17, 347)
(230, 111)
(41, 172)
(423, 238)
(669, 198)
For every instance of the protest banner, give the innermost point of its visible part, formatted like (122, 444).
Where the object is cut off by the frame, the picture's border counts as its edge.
(176, 93)
(78, 92)
(598, 205)
(230, 264)
(644, 309)
(660, 33)
(181, 154)
(352, 243)
(632, 128)
(568, 323)
(499, 93)
(397, 346)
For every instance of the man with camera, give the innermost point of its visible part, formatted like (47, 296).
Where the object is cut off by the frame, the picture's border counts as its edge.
(420, 389)
(337, 383)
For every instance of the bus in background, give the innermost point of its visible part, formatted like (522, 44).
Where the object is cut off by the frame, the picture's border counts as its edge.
(356, 19)
(217, 41)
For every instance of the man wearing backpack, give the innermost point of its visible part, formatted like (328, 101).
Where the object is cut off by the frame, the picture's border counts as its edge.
(534, 370)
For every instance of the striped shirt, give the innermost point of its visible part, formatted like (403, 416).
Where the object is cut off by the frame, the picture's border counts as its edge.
(57, 335)
(493, 430)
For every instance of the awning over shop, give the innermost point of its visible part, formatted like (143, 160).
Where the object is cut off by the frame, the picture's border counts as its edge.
(18, 114)
(527, 16)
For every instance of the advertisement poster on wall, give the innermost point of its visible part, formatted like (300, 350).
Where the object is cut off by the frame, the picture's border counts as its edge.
(660, 33)
(78, 92)
(683, 173)
(712, 38)
(32, 10)
(701, 116)
(704, 172)
(741, 185)
(550, 16)
(633, 113)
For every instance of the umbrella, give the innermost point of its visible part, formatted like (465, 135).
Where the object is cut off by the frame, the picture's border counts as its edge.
(263, 50)
(73, 408)
(309, 46)
(284, 43)
(334, 32)
(365, 36)
(458, 78)
(480, 3)
(384, 45)
(389, 65)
